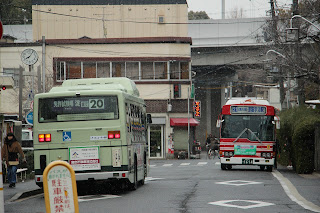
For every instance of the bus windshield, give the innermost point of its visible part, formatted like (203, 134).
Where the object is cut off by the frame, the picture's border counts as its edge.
(79, 108)
(261, 127)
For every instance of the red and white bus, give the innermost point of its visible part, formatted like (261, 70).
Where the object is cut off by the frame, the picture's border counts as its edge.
(247, 133)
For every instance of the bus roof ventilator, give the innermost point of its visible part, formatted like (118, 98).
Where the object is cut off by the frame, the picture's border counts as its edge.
(120, 83)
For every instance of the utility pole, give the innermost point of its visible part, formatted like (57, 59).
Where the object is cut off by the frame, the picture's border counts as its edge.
(297, 50)
(43, 64)
(20, 91)
(276, 42)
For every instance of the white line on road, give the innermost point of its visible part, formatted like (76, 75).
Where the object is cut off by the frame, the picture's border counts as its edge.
(293, 193)
(217, 163)
(252, 204)
(202, 163)
(95, 197)
(167, 165)
(184, 164)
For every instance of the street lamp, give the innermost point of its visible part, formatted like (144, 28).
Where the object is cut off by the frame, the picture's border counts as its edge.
(292, 33)
(276, 52)
(267, 67)
(281, 78)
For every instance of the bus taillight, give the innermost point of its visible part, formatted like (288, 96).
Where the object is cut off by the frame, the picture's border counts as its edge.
(113, 134)
(47, 137)
(44, 137)
(41, 137)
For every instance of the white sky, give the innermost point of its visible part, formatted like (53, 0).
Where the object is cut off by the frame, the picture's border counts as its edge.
(251, 8)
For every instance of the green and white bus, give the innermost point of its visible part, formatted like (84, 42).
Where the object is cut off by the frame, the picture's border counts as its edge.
(97, 125)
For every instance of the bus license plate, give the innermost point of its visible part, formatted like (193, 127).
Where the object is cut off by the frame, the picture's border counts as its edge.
(247, 161)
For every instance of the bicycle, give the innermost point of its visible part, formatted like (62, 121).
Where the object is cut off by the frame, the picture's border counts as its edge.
(211, 153)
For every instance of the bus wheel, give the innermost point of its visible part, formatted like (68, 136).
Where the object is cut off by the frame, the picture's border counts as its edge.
(262, 168)
(229, 167)
(223, 166)
(269, 168)
(144, 170)
(134, 185)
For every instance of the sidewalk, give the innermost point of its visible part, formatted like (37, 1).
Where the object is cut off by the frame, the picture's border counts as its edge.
(22, 189)
(308, 185)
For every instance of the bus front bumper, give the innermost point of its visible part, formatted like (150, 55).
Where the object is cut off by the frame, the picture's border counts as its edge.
(94, 176)
(239, 161)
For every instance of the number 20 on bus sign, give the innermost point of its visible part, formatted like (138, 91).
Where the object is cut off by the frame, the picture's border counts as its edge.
(197, 109)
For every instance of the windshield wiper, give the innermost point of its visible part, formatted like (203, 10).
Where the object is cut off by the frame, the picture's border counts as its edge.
(243, 131)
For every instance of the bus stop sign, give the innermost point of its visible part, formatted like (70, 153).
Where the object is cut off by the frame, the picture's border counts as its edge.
(29, 118)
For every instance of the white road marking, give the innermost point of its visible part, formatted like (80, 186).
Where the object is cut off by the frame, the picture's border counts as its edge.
(217, 163)
(202, 163)
(293, 193)
(184, 164)
(95, 197)
(167, 165)
(238, 182)
(152, 165)
(255, 204)
(151, 179)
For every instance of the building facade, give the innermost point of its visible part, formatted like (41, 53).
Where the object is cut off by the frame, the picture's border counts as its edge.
(145, 41)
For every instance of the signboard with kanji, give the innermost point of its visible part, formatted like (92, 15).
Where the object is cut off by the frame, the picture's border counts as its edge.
(197, 109)
(60, 189)
(84, 158)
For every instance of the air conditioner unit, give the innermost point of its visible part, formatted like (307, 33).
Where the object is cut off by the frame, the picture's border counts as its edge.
(169, 107)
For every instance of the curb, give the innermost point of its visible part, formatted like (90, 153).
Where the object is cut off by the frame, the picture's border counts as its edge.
(26, 194)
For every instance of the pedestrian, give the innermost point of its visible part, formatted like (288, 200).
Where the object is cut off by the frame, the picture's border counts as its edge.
(9, 154)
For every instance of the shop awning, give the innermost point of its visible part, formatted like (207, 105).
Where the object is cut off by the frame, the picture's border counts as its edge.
(183, 122)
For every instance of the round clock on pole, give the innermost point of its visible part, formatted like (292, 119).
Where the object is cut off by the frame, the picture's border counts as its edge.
(29, 56)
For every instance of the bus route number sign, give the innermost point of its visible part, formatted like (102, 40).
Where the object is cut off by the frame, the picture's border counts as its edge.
(261, 110)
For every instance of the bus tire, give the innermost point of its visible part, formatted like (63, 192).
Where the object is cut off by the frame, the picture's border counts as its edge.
(134, 185)
(223, 166)
(262, 168)
(144, 169)
(269, 168)
(229, 166)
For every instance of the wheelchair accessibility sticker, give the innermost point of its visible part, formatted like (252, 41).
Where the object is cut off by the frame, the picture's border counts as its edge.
(66, 136)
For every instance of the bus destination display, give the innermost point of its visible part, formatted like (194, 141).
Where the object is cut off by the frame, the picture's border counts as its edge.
(248, 110)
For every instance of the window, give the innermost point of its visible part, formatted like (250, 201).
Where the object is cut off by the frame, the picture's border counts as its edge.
(89, 69)
(261, 127)
(184, 69)
(161, 19)
(60, 71)
(118, 69)
(147, 70)
(160, 70)
(174, 70)
(82, 108)
(74, 70)
(132, 70)
(103, 69)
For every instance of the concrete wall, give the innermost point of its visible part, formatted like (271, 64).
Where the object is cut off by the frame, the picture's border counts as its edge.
(109, 21)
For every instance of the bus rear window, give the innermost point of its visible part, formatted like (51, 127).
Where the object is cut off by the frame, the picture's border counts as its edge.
(82, 108)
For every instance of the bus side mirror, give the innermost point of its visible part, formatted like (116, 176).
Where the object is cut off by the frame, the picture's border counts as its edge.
(277, 122)
(218, 125)
(149, 119)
